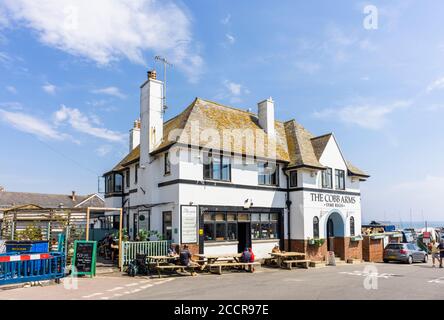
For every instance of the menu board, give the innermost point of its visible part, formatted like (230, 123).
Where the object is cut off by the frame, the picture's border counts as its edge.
(189, 224)
(84, 259)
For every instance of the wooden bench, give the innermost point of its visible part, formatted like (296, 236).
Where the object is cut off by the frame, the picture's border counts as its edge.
(174, 267)
(218, 266)
(290, 263)
(271, 262)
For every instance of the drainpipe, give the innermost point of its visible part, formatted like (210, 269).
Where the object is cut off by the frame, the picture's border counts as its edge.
(288, 204)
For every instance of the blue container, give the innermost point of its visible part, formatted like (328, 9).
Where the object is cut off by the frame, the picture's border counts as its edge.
(26, 246)
(40, 246)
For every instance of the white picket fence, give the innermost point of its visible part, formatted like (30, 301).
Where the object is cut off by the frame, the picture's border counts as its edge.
(150, 248)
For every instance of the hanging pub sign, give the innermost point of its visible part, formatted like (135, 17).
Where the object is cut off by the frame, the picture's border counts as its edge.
(189, 224)
(84, 259)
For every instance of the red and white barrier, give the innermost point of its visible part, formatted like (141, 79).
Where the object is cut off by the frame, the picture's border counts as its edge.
(25, 257)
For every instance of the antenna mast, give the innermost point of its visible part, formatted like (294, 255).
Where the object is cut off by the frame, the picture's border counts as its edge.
(165, 64)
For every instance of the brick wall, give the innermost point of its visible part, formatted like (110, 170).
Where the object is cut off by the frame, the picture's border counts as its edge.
(343, 247)
(372, 249)
(194, 248)
(313, 252)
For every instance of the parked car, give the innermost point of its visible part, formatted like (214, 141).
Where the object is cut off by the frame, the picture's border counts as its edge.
(404, 252)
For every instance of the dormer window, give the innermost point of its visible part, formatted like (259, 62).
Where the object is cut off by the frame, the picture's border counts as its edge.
(293, 179)
(340, 179)
(167, 163)
(268, 173)
(113, 183)
(327, 182)
(136, 174)
(216, 167)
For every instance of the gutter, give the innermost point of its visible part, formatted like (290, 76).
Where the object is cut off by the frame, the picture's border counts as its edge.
(288, 204)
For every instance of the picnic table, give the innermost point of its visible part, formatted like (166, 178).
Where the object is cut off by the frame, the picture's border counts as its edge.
(287, 259)
(218, 261)
(212, 258)
(162, 259)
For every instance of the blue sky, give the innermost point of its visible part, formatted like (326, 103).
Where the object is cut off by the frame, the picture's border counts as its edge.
(70, 73)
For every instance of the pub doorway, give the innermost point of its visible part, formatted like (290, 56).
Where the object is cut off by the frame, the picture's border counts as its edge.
(244, 235)
(335, 228)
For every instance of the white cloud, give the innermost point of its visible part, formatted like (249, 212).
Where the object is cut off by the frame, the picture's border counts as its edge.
(364, 115)
(11, 89)
(106, 31)
(49, 88)
(111, 91)
(103, 150)
(308, 67)
(231, 39)
(234, 88)
(11, 105)
(29, 124)
(232, 91)
(84, 124)
(436, 85)
(226, 20)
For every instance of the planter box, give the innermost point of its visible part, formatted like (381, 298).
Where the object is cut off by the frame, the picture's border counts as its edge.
(356, 238)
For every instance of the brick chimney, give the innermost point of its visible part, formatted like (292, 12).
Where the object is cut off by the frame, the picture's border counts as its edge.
(73, 196)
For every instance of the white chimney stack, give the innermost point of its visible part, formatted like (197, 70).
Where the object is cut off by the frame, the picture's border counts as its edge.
(266, 116)
(151, 116)
(134, 136)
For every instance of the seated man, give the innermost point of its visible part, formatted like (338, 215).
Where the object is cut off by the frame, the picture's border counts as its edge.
(172, 251)
(185, 258)
(246, 256)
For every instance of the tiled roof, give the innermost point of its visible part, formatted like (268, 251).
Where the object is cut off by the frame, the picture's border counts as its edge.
(355, 171)
(294, 144)
(300, 147)
(319, 144)
(12, 199)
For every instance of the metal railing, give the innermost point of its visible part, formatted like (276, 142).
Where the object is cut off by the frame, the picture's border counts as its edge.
(22, 270)
(150, 248)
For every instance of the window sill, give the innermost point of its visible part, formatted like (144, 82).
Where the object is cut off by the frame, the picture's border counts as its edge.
(214, 243)
(265, 240)
(215, 180)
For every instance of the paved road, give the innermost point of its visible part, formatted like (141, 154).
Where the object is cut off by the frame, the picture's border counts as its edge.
(361, 281)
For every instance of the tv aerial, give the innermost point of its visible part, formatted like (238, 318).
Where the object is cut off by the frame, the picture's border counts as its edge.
(165, 65)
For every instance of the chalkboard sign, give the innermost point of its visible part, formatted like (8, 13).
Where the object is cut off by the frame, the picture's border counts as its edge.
(84, 259)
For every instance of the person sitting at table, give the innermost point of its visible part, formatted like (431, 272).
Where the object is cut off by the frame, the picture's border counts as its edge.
(246, 255)
(172, 250)
(185, 258)
(276, 249)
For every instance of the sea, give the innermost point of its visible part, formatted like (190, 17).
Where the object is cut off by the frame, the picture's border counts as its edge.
(413, 224)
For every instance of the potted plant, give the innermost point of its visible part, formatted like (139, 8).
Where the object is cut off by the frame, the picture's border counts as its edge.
(316, 242)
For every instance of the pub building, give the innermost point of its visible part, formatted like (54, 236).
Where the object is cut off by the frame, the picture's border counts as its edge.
(275, 183)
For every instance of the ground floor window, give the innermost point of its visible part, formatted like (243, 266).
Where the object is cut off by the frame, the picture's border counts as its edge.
(264, 226)
(224, 226)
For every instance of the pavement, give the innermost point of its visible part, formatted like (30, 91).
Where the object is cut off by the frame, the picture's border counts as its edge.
(367, 281)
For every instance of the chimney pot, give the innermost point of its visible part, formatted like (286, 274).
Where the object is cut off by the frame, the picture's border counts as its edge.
(152, 74)
(73, 196)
